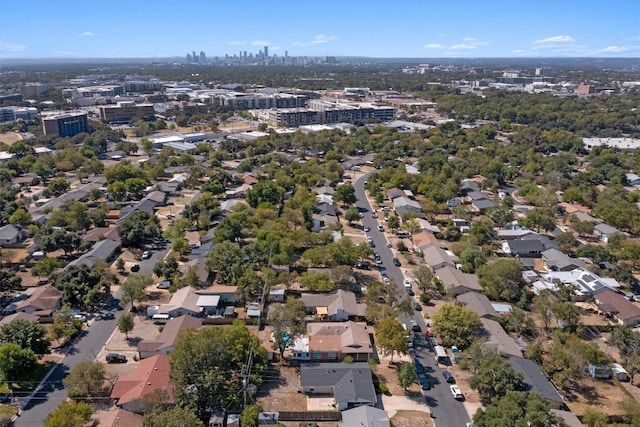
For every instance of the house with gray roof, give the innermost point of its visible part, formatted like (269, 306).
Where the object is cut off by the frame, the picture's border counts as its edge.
(437, 258)
(457, 282)
(104, 250)
(523, 248)
(339, 306)
(559, 261)
(605, 231)
(350, 384)
(366, 416)
(479, 303)
(497, 339)
(535, 381)
(11, 235)
(166, 341)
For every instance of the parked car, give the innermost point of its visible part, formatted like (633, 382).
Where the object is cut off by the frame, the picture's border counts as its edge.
(397, 262)
(417, 306)
(448, 377)
(367, 229)
(380, 228)
(165, 284)
(415, 326)
(116, 358)
(455, 391)
(146, 254)
(419, 366)
(135, 268)
(424, 382)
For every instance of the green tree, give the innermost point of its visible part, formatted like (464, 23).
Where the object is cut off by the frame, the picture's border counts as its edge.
(126, 324)
(346, 194)
(406, 376)
(9, 281)
(59, 239)
(316, 282)
(249, 416)
(226, 261)
(134, 289)
(207, 366)
(78, 282)
(265, 192)
(391, 337)
(539, 219)
(502, 279)
(86, 379)
(287, 321)
(58, 186)
(423, 277)
(16, 363)
(138, 228)
(594, 418)
(120, 264)
(45, 267)
(456, 325)
(20, 217)
(352, 215)
(26, 334)
(517, 409)
(167, 268)
(176, 417)
(494, 377)
(627, 341)
(472, 257)
(69, 414)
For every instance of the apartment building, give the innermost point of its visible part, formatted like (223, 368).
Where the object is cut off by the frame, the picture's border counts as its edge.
(125, 112)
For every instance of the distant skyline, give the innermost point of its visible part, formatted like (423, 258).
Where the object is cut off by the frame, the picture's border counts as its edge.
(367, 28)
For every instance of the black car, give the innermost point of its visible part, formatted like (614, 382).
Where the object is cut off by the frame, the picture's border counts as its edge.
(397, 262)
(116, 358)
(135, 268)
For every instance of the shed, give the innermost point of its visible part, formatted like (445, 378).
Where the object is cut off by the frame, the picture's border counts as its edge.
(619, 372)
(602, 372)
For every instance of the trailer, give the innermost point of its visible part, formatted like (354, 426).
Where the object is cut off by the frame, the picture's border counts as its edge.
(619, 372)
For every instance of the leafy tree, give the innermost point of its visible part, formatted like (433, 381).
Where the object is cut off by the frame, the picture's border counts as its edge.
(86, 379)
(176, 417)
(127, 146)
(126, 324)
(231, 228)
(134, 289)
(59, 239)
(77, 283)
(58, 186)
(44, 267)
(394, 222)
(539, 219)
(16, 363)
(120, 264)
(138, 228)
(351, 215)
(69, 414)
(249, 416)
(287, 321)
(226, 261)
(316, 282)
(502, 279)
(517, 409)
(20, 217)
(482, 231)
(64, 325)
(26, 334)
(594, 418)
(566, 242)
(627, 341)
(265, 192)
(346, 194)
(584, 228)
(494, 377)
(456, 325)
(206, 366)
(9, 281)
(166, 268)
(406, 376)
(472, 257)
(249, 284)
(391, 337)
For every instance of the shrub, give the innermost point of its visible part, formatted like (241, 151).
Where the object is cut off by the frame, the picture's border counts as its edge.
(347, 359)
(425, 298)
(383, 388)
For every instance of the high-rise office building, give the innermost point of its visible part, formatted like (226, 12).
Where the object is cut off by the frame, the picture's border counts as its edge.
(64, 125)
(266, 51)
(203, 58)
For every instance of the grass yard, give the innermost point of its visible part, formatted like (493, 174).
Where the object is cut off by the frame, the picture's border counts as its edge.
(10, 138)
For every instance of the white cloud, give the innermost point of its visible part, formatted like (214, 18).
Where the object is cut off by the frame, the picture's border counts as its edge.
(434, 46)
(468, 39)
(633, 39)
(555, 39)
(615, 49)
(323, 38)
(298, 44)
(462, 46)
(272, 48)
(238, 42)
(12, 47)
(260, 43)
(88, 34)
(517, 51)
(65, 52)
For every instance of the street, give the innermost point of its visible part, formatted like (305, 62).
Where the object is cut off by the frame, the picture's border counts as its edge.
(447, 411)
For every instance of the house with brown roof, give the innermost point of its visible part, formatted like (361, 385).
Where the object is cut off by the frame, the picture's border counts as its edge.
(151, 376)
(338, 306)
(41, 301)
(618, 307)
(331, 342)
(101, 233)
(166, 341)
(117, 417)
(424, 239)
(457, 282)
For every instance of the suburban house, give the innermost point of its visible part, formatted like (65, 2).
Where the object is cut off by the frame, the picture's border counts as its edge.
(21, 315)
(559, 261)
(618, 307)
(457, 282)
(324, 215)
(586, 282)
(350, 384)
(427, 226)
(333, 341)
(151, 374)
(41, 301)
(405, 206)
(479, 303)
(523, 248)
(11, 235)
(394, 193)
(165, 342)
(117, 417)
(437, 258)
(604, 231)
(498, 339)
(365, 416)
(104, 250)
(101, 233)
(424, 239)
(511, 234)
(339, 306)
(183, 301)
(535, 381)
(144, 205)
(27, 180)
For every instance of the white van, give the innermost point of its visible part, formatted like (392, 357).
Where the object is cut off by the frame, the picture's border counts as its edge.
(160, 319)
(403, 234)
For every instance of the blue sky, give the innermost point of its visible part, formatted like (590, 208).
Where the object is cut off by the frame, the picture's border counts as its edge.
(402, 28)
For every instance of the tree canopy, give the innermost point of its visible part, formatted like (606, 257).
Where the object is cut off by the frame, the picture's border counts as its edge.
(138, 228)
(26, 334)
(456, 325)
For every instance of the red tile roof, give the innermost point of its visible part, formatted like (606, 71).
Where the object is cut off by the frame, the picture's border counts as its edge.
(150, 375)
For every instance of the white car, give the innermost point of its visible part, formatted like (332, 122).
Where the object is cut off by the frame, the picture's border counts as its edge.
(455, 391)
(406, 282)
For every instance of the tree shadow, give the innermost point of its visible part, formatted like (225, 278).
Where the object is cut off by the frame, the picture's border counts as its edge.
(133, 341)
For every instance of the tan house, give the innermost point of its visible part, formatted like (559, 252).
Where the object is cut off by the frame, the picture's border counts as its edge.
(338, 306)
(41, 301)
(166, 341)
(335, 340)
(456, 282)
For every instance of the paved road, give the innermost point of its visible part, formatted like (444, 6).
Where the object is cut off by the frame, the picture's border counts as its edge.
(447, 411)
(85, 347)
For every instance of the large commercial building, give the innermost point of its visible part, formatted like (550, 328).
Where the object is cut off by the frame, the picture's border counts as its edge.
(64, 125)
(125, 112)
(12, 114)
(258, 101)
(293, 117)
(334, 112)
